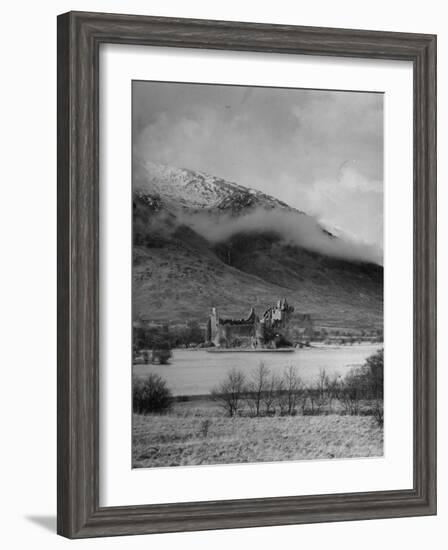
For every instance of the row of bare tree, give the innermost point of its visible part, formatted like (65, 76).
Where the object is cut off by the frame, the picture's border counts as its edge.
(263, 393)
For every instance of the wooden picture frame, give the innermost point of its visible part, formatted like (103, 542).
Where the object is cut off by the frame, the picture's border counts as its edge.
(79, 38)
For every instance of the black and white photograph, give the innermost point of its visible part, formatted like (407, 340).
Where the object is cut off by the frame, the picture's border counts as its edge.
(218, 224)
(257, 274)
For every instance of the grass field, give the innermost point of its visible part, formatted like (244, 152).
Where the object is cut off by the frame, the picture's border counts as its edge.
(199, 433)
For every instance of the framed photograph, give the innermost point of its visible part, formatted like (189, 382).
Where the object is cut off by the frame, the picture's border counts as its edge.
(246, 274)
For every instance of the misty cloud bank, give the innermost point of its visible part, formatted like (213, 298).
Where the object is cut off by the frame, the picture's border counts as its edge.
(292, 228)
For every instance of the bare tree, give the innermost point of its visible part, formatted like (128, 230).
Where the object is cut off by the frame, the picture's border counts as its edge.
(318, 394)
(257, 387)
(270, 395)
(289, 391)
(230, 392)
(333, 390)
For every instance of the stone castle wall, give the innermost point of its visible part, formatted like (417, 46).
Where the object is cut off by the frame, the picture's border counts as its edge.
(252, 331)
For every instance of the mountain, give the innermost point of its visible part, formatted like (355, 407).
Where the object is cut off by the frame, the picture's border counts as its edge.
(197, 190)
(201, 241)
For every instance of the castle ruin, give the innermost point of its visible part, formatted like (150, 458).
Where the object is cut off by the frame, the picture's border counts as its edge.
(269, 331)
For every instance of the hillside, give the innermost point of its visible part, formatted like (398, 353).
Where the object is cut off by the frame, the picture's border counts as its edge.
(200, 241)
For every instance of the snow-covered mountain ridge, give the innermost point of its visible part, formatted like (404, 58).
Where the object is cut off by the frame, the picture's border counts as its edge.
(197, 190)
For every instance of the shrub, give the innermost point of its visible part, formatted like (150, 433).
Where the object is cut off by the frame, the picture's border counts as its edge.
(365, 382)
(378, 412)
(374, 367)
(281, 342)
(161, 354)
(351, 391)
(205, 426)
(151, 395)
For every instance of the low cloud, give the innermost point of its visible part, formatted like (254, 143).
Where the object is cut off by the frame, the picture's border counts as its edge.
(292, 227)
(351, 202)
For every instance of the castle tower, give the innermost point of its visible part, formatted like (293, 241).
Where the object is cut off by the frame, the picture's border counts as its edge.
(214, 326)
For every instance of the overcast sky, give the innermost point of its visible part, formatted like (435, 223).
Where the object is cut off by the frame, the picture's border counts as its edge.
(319, 151)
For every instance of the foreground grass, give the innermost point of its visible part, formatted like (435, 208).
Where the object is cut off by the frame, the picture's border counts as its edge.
(194, 435)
